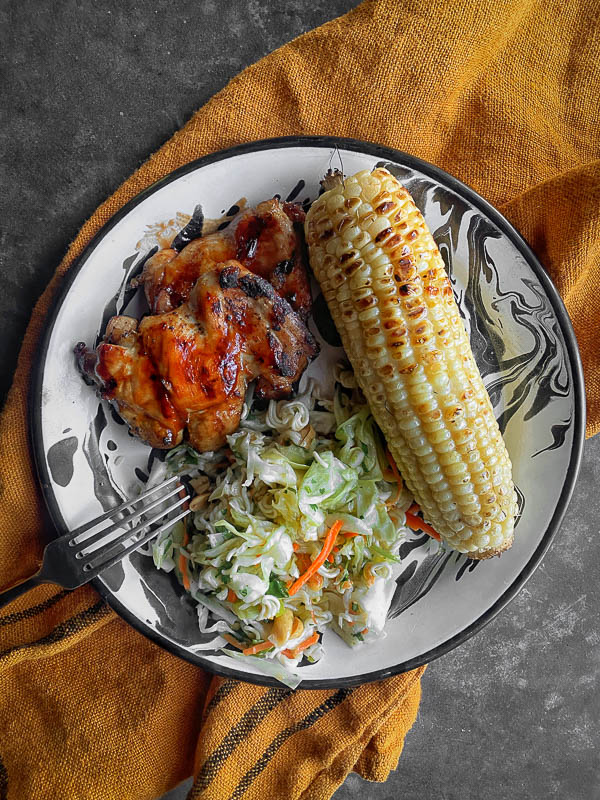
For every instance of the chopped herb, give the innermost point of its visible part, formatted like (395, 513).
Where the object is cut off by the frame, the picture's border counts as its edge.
(277, 588)
(355, 607)
(358, 636)
(183, 455)
(263, 653)
(220, 572)
(281, 609)
(385, 554)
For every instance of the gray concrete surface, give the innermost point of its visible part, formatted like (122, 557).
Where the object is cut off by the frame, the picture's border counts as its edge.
(90, 89)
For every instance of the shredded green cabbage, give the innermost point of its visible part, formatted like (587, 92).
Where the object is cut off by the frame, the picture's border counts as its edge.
(294, 469)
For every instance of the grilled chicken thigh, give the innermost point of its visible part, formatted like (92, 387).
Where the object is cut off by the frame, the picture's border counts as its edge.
(263, 239)
(127, 375)
(189, 368)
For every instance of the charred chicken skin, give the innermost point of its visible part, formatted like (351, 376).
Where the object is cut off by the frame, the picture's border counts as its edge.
(188, 368)
(264, 239)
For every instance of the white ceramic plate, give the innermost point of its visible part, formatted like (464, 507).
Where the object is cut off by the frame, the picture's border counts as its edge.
(522, 341)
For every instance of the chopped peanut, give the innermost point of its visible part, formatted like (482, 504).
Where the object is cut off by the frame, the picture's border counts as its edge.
(297, 628)
(308, 434)
(315, 581)
(368, 575)
(282, 627)
(198, 502)
(200, 484)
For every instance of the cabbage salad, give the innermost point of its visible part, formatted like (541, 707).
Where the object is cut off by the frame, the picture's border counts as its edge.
(295, 529)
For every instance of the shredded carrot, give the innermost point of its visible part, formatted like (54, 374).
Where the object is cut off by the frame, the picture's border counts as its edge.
(393, 499)
(257, 648)
(414, 509)
(364, 631)
(295, 547)
(302, 646)
(184, 572)
(182, 563)
(231, 596)
(232, 640)
(397, 477)
(331, 557)
(350, 534)
(319, 560)
(417, 524)
(386, 469)
(393, 467)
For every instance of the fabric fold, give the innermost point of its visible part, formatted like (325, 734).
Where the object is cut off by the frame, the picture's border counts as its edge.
(334, 731)
(501, 94)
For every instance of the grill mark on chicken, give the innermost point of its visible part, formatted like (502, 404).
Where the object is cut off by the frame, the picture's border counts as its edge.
(255, 287)
(187, 370)
(228, 277)
(248, 233)
(283, 268)
(268, 240)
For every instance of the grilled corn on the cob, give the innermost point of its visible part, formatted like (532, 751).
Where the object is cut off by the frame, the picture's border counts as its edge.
(385, 284)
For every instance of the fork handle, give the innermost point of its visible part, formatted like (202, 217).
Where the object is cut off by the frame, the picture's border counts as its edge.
(8, 595)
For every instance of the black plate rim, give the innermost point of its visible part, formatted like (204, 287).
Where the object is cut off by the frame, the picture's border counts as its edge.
(384, 153)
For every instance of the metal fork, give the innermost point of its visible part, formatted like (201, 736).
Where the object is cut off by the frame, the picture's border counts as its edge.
(80, 555)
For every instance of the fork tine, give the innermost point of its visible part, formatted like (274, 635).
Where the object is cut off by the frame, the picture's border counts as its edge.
(133, 546)
(122, 507)
(101, 550)
(97, 536)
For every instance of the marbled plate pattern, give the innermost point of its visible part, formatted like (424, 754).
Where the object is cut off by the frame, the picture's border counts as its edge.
(521, 339)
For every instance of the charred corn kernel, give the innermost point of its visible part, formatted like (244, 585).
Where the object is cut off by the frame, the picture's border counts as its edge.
(282, 627)
(384, 281)
(315, 582)
(297, 628)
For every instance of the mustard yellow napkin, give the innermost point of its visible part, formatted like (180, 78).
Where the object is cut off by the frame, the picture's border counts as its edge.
(503, 94)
